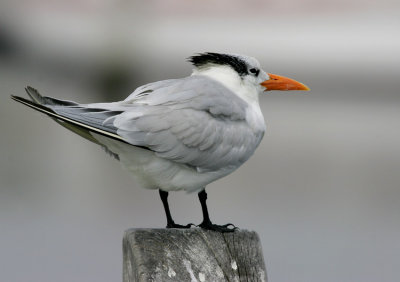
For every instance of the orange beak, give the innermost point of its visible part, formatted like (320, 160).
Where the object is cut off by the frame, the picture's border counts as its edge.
(277, 82)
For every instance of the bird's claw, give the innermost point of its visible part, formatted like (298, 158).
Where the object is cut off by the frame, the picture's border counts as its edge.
(218, 228)
(174, 225)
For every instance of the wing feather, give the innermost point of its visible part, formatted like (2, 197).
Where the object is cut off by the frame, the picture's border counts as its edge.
(195, 121)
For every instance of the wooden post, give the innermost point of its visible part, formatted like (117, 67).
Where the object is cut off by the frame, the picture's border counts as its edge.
(192, 255)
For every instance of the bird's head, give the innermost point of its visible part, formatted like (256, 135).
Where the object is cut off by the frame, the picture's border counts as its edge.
(238, 71)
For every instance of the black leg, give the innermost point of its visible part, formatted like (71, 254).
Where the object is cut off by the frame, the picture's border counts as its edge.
(170, 221)
(207, 224)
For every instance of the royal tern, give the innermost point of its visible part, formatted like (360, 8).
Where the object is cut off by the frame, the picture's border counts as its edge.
(178, 134)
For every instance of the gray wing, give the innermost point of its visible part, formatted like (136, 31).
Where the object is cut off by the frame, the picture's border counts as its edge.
(195, 121)
(189, 136)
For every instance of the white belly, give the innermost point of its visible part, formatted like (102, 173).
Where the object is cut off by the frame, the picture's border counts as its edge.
(152, 172)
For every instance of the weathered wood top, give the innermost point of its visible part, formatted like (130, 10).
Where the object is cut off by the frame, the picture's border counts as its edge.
(192, 255)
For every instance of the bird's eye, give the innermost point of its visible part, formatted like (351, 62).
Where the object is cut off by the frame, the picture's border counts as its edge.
(254, 71)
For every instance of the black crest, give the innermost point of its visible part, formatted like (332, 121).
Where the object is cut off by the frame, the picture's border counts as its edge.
(235, 62)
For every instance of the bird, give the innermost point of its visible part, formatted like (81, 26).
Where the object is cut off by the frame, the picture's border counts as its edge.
(178, 134)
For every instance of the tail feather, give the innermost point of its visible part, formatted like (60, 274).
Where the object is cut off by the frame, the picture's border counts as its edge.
(34, 105)
(43, 104)
(43, 100)
(34, 95)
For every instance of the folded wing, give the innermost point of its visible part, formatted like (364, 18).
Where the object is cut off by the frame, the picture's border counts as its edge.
(195, 121)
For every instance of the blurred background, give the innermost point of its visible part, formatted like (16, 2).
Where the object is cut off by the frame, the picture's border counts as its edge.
(322, 190)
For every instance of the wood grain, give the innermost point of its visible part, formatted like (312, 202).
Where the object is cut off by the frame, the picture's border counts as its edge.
(192, 255)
